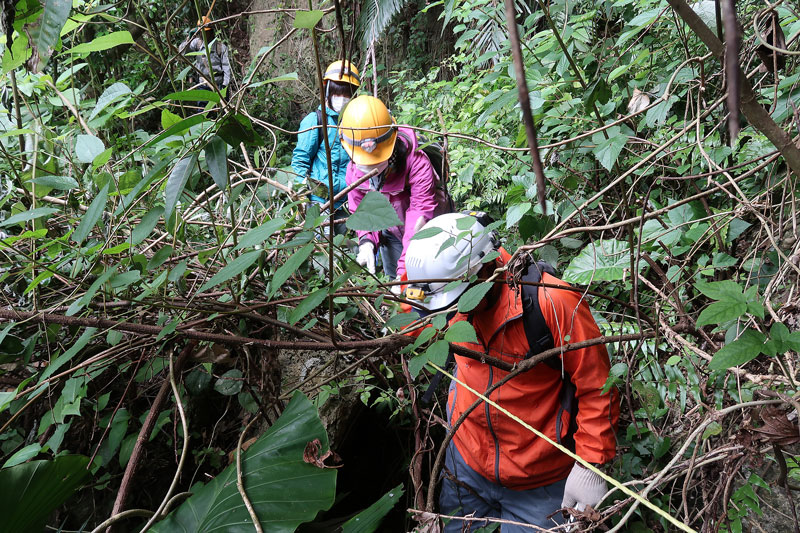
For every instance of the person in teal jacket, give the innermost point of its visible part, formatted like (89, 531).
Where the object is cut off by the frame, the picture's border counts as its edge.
(309, 161)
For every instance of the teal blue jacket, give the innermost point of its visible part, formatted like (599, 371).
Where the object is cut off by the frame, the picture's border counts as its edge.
(308, 157)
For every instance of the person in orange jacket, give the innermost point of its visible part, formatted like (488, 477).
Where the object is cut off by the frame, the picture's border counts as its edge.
(494, 466)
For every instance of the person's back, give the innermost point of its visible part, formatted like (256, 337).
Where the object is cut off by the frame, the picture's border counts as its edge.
(214, 64)
(500, 467)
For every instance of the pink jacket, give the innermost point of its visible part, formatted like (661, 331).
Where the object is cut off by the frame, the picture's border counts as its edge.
(411, 203)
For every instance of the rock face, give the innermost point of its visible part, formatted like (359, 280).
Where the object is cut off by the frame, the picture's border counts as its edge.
(310, 367)
(294, 54)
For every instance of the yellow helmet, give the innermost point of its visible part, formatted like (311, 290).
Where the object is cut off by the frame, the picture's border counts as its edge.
(342, 70)
(205, 21)
(367, 130)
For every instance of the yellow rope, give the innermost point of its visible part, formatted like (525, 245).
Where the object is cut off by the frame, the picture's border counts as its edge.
(589, 466)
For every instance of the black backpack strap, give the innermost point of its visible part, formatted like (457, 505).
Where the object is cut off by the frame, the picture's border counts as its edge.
(538, 334)
(540, 339)
(437, 379)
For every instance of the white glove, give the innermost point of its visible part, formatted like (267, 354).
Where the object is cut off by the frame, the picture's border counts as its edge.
(397, 290)
(583, 488)
(366, 256)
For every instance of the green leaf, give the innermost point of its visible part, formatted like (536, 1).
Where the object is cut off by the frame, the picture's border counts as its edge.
(311, 302)
(65, 357)
(289, 267)
(516, 212)
(714, 428)
(285, 491)
(109, 96)
(599, 92)
(169, 119)
(307, 19)
(232, 269)
(781, 340)
(25, 216)
(607, 150)
(401, 320)
(33, 490)
(92, 215)
(374, 213)
(22, 455)
(159, 257)
(426, 233)
(746, 348)
(19, 53)
(658, 114)
(87, 147)
(261, 233)
(437, 352)
(62, 183)
(90, 292)
(229, 383)
(104, 42)
(722, 290)
(721, 312)
(461, 332)
(292, 76)
(145, 227)
(217, 159)
(176, 128)
(195, 95)
(370, 518)
(45, 35)
(237, 129)
(473, 296)
(177, 181)
(606, 260)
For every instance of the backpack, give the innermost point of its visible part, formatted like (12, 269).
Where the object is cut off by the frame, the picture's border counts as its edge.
(540, 339)
(436, 154)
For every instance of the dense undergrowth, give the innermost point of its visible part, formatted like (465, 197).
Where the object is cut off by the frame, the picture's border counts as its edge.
(160, 269)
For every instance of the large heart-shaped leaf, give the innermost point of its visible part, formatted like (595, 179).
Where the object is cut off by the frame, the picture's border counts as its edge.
(30, 492)
(284, 489)
(374, 213)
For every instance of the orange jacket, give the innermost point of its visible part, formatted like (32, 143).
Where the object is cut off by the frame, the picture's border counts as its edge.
(498, 447)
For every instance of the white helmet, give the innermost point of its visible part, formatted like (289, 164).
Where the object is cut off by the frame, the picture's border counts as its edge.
(454, 251)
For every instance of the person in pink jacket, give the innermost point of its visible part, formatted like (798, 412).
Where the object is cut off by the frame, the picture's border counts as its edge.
(406, 178)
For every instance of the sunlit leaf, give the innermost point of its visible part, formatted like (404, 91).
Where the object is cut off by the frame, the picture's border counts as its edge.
(374, 213)
(87, 147)
(104, 42)
(307, 19)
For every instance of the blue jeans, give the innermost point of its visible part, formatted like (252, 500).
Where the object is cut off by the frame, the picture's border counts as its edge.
(391, 248)
(488, 499)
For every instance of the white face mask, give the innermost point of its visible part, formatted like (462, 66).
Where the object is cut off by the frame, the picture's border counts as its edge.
(376, 181)
(338, 103)
(383, 165)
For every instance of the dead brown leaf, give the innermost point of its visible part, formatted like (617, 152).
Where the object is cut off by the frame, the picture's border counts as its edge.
(311, 455)
(778, 428)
